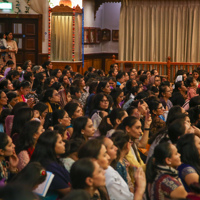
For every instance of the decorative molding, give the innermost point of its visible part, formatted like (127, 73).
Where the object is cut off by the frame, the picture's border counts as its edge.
(99, 2)
(63, 8)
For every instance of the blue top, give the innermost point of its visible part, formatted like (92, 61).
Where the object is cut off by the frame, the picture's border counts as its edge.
(121, 169)
(183, 171)
(61, 180)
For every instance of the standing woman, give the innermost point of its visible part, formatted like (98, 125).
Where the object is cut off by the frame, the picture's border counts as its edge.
(12, 45)
(162, 176)
(48, 149)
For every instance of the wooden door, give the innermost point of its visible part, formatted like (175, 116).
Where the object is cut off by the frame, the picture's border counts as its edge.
(27, 35)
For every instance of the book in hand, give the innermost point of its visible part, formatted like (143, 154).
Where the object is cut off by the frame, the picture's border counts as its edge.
(43, 187)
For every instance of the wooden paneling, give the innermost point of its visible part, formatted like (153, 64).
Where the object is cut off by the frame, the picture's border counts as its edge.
(107, 65)
(99, 61)
(42, 57)
(30, 44)
(31, 56)
(76, 66)
(19, 57)
(87, 64)
(31, 35)
(30, 29)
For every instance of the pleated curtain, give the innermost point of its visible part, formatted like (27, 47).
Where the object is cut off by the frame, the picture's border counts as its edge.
(152, 30)
(61, 37)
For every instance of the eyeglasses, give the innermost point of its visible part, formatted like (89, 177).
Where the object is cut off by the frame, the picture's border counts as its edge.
(160, 108)
(104, 101)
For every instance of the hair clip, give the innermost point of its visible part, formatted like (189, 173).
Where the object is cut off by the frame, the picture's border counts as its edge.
(42, 172)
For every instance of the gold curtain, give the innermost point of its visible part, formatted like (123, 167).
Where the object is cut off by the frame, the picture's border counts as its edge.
(152, 30)
(78, 37)
(61, 37)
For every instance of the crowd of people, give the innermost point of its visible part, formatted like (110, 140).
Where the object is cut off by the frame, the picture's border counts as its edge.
(118, 136)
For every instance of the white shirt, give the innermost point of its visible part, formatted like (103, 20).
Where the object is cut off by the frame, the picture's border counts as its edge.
(116, 186)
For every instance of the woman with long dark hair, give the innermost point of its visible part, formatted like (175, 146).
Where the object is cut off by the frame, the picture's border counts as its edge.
(189, 148)
(7, 150)
(100, 105)
(31, 176)
(118, 95)
(104, 87)
(110, 123)
(47, 151)
(80, 83)
(161, 173)
(133, 127)
(83, 128)
(88, 175)
(13, 49)
(22, 116)
(48, 68)
(157, 111)
(26, 142)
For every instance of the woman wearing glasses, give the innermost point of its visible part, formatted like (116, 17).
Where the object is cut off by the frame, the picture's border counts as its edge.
(51, 98)
(99, 109)
(156, 110)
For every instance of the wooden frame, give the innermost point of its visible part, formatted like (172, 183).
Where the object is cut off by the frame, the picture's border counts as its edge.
(92, 36)
(165, 69)
(115, 35)
(98, 35)
(67, 9)
(86, 35)
(105, 34)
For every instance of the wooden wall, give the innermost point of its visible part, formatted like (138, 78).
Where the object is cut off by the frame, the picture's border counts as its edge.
(99, 61)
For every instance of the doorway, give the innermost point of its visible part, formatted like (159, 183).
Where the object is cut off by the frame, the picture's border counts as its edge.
(27, 32)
